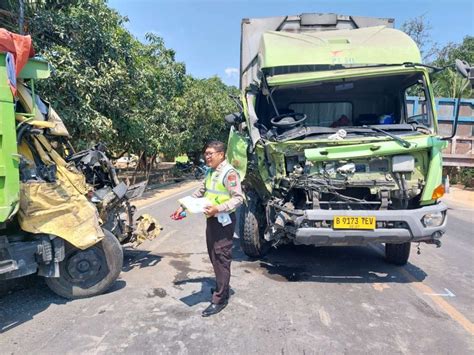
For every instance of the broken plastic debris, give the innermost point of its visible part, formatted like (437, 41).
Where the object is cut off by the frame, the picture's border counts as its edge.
(348, 168)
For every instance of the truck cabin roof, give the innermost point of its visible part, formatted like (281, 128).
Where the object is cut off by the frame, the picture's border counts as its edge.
(284, 52)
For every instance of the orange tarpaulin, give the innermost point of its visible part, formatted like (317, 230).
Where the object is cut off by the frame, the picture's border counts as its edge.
(21, 47)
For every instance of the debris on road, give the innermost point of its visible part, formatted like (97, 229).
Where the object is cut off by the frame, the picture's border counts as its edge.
(147, 228)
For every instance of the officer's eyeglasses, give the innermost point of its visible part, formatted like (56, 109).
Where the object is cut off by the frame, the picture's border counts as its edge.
(210, 154)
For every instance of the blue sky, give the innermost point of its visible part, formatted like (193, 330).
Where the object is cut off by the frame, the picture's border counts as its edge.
(206, 34)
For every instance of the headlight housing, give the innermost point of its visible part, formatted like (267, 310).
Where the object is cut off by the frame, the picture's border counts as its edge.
(434, 219)
(403, 163)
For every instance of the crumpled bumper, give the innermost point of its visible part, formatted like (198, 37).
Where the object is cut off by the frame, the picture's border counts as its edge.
(393, 226)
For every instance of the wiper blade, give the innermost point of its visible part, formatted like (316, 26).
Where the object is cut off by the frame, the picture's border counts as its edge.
(302, 132)
(403, 142)
(385, 127)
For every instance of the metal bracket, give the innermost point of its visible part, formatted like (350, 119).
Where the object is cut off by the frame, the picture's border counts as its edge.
(7, 263)
(316, 196)
(384, 194)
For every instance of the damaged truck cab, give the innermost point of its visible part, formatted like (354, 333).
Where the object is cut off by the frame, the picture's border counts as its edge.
(330, 150)
(47, 225)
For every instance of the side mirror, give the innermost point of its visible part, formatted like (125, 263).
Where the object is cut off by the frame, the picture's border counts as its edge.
(234, 118)
(465, 70)
(462, 67)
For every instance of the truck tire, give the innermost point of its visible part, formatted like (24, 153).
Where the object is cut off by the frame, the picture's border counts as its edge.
(397, 254)
(89, 272)
(252, 227)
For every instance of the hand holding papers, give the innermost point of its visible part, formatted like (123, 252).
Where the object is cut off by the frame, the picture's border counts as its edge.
(194, 205)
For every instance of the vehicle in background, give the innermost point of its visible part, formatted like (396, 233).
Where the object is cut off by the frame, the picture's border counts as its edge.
(327, 149)
(126, 162)
(200, 169)
(197, 170)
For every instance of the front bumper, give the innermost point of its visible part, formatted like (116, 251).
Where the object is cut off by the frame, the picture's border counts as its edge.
(397, 226)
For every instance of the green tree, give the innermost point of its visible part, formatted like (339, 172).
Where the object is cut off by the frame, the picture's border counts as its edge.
(204, 104)
(110, 87)
(107, 83)
(419, 29)
(449, 83)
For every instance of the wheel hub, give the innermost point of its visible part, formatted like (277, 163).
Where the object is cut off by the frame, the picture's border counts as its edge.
(84, 265)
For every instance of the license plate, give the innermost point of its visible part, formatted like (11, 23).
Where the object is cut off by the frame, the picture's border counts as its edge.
(350, 222)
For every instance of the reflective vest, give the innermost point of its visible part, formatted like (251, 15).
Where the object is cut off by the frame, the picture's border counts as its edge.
(216, 191)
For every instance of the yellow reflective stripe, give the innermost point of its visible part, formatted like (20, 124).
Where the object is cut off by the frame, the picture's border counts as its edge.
(217, 192)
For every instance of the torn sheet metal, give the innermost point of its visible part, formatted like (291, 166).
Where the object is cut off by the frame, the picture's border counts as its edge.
(58, 207)
(147, 228)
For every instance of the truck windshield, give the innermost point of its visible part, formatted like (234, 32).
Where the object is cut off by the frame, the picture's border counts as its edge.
(352, 102)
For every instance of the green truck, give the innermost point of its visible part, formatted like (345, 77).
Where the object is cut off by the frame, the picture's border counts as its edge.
(327, 149)
(48, 226)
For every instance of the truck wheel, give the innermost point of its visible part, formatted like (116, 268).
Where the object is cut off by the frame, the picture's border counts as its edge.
(397, 253)
(252, 226)
(90, 272)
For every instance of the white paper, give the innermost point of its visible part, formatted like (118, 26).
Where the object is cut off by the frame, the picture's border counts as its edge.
(193, 204)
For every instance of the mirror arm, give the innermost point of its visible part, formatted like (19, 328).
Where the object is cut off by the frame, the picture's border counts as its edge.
(456, 117)
(237, 102)
(268, 93)
(433, 68)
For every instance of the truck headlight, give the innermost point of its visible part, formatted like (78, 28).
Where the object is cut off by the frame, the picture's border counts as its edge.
(434, 219)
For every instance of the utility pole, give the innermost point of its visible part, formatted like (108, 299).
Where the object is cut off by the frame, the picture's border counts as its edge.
(21, 19)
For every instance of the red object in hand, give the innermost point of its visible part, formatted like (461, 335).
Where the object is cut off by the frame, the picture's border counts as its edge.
(177, 216)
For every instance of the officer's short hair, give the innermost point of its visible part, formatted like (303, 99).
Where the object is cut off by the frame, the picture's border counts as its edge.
(217, 145)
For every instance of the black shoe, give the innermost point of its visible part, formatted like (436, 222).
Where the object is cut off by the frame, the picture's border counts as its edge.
(213, 309)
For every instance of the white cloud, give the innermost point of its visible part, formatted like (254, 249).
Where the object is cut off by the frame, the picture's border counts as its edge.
(231, 72)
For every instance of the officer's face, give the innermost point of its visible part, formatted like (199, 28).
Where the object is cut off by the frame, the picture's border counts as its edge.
(213, 158)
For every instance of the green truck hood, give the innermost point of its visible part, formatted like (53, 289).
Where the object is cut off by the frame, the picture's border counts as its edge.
(364, 46)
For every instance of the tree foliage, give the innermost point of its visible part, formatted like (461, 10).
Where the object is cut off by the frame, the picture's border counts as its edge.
(110, 87)
(419, 29)
(202, 107)
(448, 83)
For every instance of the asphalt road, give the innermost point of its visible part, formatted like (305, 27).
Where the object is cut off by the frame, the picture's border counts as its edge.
(298, 300)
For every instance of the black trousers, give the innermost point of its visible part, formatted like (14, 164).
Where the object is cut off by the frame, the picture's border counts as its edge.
(219, 241)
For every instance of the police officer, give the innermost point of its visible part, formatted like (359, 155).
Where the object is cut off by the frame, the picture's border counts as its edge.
(222, 187)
